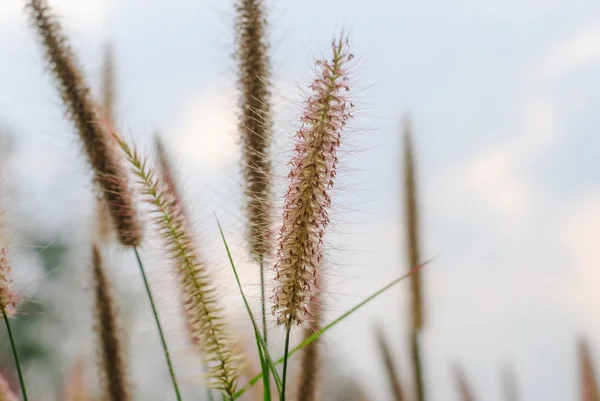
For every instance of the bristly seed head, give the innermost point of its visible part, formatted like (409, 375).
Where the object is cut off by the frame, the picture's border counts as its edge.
(8, 297)
(85, 114)
(205, 319)
(255, 120)
(305, 213)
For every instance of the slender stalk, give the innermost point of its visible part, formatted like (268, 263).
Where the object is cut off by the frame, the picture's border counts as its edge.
(158, 325)
(285, 360)
(417, 366)
(265, 367)
(16, 355)
(327, 327)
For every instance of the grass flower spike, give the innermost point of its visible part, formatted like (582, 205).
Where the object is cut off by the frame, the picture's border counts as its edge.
(205, 319)
(305, 215)
(81, 109)
(255, 128)
(109, 335)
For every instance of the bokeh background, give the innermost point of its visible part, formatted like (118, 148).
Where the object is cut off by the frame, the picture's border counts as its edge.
(503, 97)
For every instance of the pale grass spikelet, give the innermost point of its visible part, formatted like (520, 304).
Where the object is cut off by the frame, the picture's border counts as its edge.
(255, 120)
(110, 343)
(104, 227)
(75, 388)
(205, 319)
(589, 390)
(81, 109)
(313, 168)
(391, 370)
(464, 390)
(167, 172)
(8, 297)
(6, 393)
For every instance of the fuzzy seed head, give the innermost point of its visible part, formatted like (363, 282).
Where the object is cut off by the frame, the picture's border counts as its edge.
(110, 345)
(8, 298)
(84, 113)
(255, 120)
(313, 169)
(205, 319)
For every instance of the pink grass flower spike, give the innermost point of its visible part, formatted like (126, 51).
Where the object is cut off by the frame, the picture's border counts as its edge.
(313, 169)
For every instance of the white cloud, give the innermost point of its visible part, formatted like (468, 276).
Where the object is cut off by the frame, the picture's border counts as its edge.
(205, 133)
(493, 179)
(577, 51)
(578, 232)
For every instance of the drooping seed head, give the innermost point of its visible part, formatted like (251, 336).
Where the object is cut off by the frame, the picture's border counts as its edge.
(255, 120)
(84, 113)
(305, 213)
(110, 344)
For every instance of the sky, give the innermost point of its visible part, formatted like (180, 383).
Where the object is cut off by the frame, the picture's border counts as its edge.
(503, 101)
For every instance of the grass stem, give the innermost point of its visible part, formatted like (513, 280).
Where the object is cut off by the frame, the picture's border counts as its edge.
(16, 355)
(158, 325)
(265, 368)
(285, 360)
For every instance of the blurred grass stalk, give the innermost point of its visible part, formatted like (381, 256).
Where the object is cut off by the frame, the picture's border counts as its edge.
(413, 255)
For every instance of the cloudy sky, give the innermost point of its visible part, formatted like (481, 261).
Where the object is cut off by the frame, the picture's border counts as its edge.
(503, 96)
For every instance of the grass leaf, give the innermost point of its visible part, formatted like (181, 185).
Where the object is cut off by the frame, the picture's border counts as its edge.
(260, 343)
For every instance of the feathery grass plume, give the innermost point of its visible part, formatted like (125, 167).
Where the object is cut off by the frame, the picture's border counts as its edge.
(413, 252)
(588, 384)
(110, 346)
(310, 363)
(205, 318)
(104, 227)
(509, 384)
(255, 120)
(390, 367)
(75, 388)
(81, 109)
(305, 214)
(6, 394)
(464, 389)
